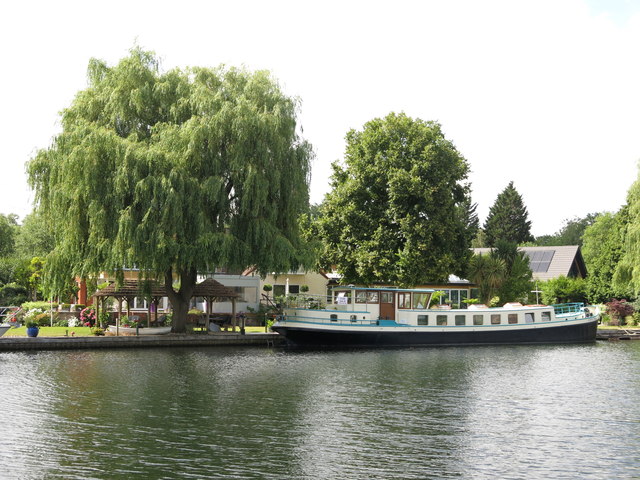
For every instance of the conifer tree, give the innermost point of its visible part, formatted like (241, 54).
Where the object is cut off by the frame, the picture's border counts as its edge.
(508, 219)
(175, 174)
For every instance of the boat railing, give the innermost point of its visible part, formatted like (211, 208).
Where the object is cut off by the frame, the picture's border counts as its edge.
(566, 308)
(303, 300)
(9, 314)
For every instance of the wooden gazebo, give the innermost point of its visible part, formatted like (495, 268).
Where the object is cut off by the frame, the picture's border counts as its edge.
(212, 290)
(129, 290)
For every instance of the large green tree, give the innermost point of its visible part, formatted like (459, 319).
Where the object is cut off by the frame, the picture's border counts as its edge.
(571, 232)
(602, 249)
(399, 209)
(508, 219)
(627, 272)
(8, 230)
(173, 173)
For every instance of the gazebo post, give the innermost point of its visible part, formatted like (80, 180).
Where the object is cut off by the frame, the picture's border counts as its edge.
(97, 303)
(208, 319)
(149, 313)
(233, 314)
(119, 317)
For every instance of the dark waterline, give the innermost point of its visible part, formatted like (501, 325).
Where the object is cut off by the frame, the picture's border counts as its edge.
(475, 412)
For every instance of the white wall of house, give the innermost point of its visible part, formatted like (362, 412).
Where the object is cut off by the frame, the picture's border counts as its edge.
(316, 282)
(247, 287)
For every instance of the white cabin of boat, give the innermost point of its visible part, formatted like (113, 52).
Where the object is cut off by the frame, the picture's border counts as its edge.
(390, 306)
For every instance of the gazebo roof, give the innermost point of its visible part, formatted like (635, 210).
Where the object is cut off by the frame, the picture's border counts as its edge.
(132, 288)
(211, 288)
(208, 288)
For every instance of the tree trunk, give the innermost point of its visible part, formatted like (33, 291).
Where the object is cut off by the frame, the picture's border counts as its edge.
(180, 299)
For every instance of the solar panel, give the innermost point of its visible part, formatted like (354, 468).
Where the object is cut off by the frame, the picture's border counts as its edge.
(540, 260)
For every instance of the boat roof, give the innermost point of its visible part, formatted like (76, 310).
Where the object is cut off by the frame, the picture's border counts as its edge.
(384, 289)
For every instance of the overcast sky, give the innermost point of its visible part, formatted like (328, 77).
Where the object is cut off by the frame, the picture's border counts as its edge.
(544, 93)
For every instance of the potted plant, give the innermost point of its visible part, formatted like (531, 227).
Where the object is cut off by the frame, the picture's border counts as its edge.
(32, 328)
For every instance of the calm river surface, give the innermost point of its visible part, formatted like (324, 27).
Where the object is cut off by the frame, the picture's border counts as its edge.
(475, 412)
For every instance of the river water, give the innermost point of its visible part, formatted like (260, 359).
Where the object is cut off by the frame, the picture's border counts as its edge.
(472, 412)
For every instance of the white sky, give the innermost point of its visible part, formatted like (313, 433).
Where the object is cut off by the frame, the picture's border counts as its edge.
(544, 93)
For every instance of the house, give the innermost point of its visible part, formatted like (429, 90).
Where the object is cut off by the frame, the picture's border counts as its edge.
(551, 262)
(290, 282)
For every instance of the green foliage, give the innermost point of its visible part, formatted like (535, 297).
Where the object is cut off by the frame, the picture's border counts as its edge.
(435, 298)
(34, 237)
(399, 209)
(508, 219)
(13, 294)
(267, 287)
(488, 272)
(45, 319)
(563, 290)
(518, 276)
(619, 310)
(571, 232)
(175, 173)
(8, 229)
(503, 275)
(44, 306)
(602, 250)
(627, 273)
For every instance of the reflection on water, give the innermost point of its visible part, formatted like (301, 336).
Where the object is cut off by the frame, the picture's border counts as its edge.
(488, 412)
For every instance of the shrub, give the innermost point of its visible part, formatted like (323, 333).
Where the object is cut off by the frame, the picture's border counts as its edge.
(618, 310)
(44, 306)
(88, 316)
(43, 319)
(13, 294)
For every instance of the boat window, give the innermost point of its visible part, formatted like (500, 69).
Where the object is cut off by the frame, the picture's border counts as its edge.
(353, 318)
(441, 319)
(460, 319)
(478, 319)
(386, 297)
(512, 318)
(423, 319)
(420, 301)
(528, 317)
(495, 319)
(404, 300)
(361, 297)
(334, 317)
(546, 316)
(372, 297)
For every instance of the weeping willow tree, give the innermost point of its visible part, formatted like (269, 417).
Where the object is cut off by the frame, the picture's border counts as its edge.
(173, 173)
(627, 273)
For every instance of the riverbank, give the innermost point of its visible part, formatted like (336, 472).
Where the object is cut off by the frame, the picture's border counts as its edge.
(618, 333)
(142, 341)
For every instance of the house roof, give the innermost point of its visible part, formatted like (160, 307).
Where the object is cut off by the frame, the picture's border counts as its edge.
(551, 262)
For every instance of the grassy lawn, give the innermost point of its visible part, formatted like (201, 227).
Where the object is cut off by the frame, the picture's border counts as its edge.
(51, 332)
(83, 331)
(615, 327)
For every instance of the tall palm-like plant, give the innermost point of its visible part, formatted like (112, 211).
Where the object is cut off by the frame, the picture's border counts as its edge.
(488, 273)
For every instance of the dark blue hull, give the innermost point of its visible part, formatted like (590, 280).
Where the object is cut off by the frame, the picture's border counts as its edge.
(308, 337)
